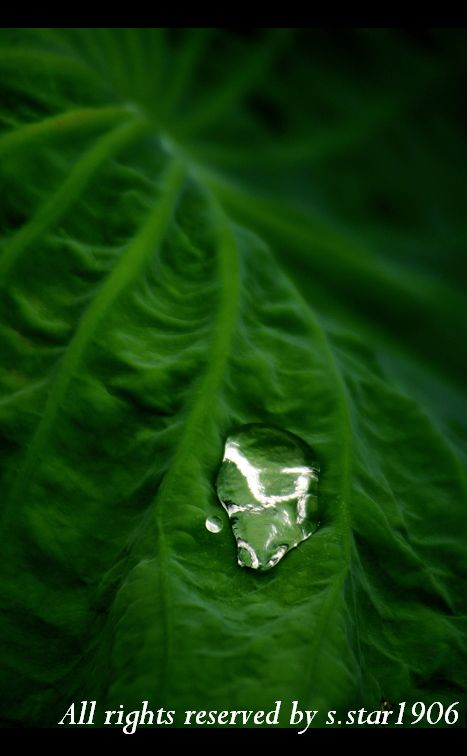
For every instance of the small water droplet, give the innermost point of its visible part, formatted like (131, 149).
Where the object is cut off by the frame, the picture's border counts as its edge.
(267, 483)
(214, 524)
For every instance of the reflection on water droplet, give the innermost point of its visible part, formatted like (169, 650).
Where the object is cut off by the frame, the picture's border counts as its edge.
(267, 484)
(214, 524)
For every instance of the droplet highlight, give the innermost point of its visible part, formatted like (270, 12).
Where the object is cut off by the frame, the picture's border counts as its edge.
(214, 524)
(268, 484)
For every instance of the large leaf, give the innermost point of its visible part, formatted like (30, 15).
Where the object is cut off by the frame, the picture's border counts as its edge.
(199, 230)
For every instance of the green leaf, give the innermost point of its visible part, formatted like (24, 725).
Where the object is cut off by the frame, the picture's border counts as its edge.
(189, 244)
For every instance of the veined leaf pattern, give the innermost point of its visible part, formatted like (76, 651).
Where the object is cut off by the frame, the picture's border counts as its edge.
(189, 244)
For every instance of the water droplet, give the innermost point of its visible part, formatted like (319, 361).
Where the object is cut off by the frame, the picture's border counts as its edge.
(214, 524)
(267, 484)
